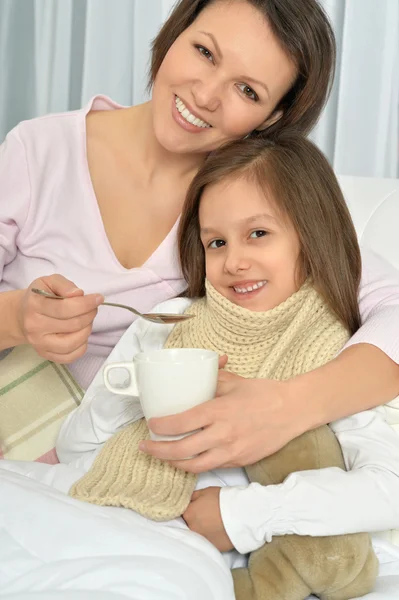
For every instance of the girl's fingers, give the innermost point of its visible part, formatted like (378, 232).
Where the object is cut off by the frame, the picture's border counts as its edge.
(223, 361)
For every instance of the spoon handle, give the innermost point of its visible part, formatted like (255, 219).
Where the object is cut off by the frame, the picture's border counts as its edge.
(133, 310)
(47, 294)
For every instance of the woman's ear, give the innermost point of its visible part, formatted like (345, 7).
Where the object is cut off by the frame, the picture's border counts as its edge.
(274, 117)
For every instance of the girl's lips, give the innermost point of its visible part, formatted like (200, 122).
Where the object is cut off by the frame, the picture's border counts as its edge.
(238, 297)
(183, 123)
(248, 283)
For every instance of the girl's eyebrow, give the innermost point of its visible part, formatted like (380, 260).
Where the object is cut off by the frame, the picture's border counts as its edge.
(258, 218)
(220, 55)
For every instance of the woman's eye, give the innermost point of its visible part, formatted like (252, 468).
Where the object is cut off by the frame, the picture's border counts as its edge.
(216, 244)
(205, 52)
(258, 233)
(248, 92)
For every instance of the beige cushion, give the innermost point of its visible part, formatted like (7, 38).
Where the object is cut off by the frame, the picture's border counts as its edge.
(35, 397)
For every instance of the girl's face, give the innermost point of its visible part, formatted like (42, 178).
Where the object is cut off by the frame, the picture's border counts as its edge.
(251, 250)
(220, 80)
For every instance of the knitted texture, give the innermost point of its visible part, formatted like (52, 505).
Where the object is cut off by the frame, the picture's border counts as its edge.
(121, 475)
(295, 337)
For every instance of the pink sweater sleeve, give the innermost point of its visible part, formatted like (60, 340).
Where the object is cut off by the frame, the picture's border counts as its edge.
(379, 305)
(14, 196)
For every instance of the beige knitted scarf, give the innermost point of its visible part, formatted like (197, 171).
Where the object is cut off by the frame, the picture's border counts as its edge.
(297, 336)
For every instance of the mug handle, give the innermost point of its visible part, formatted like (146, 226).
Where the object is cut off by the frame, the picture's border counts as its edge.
(129, 390)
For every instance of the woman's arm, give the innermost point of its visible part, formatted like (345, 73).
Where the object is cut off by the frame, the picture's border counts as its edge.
(326, 501)
(57, 330)
(366, 373)
(14, 205)
(250, 419)
(360, 378)
(10, 330)
(102, 413)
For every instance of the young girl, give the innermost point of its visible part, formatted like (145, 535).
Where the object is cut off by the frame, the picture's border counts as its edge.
(272, 263)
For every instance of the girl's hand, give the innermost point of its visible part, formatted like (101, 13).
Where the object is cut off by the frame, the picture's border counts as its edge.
(246, 421)
(57, 329)
(203, 516)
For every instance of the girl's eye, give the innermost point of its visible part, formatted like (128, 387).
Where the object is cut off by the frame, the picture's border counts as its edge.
(258, 233)
(248, 92)
(205, 52)
(216, 244)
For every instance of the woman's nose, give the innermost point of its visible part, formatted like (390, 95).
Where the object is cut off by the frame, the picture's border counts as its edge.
(206, 94)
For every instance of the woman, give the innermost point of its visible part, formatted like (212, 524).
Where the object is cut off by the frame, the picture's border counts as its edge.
(96, 196)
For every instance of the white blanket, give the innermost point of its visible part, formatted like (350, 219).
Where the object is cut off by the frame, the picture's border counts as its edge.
(53, 547)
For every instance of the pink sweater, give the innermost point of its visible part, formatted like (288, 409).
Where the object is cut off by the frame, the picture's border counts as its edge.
(50, 223)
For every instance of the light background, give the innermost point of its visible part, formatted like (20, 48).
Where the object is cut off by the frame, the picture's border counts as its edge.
(56, 54)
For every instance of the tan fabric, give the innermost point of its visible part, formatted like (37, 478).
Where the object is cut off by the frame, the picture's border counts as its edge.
(35, 397)
(123, 476)
(295, 337)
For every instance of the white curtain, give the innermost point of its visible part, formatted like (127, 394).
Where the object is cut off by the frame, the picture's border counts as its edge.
(359, 128)
(56, 54)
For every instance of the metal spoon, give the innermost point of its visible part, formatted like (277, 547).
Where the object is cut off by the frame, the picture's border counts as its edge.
(164, 318)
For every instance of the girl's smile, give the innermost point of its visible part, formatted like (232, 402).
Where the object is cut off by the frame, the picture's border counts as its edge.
(247, 290)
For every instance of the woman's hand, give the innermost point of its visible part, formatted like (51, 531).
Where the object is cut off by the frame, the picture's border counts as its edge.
(246, 421)
(203, 516)
(57, 329)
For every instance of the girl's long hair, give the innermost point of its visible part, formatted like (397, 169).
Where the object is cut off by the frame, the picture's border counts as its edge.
(295, 174)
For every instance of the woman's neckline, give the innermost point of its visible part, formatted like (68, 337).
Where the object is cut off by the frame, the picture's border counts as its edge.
(102, 102)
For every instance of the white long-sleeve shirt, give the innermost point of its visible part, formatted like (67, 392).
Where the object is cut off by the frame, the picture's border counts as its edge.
(316, 502)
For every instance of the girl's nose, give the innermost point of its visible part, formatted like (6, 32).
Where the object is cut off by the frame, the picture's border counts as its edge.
(235, 262)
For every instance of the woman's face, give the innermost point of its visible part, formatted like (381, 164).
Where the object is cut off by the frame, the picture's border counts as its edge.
(252, 253)
(220, 80)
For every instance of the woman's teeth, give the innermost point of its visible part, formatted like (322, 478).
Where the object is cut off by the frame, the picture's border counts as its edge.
(187, 116)
(250, 288)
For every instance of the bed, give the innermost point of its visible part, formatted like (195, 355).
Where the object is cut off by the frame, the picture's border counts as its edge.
(54, 547)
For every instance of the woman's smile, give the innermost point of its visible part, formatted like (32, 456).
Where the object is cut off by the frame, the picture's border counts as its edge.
(187, 118)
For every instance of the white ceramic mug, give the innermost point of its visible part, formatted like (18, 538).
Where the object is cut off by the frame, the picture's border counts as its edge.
(168, 381)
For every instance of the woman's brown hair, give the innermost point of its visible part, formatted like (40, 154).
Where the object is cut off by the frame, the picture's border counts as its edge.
(304, 33)
(291, 171)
